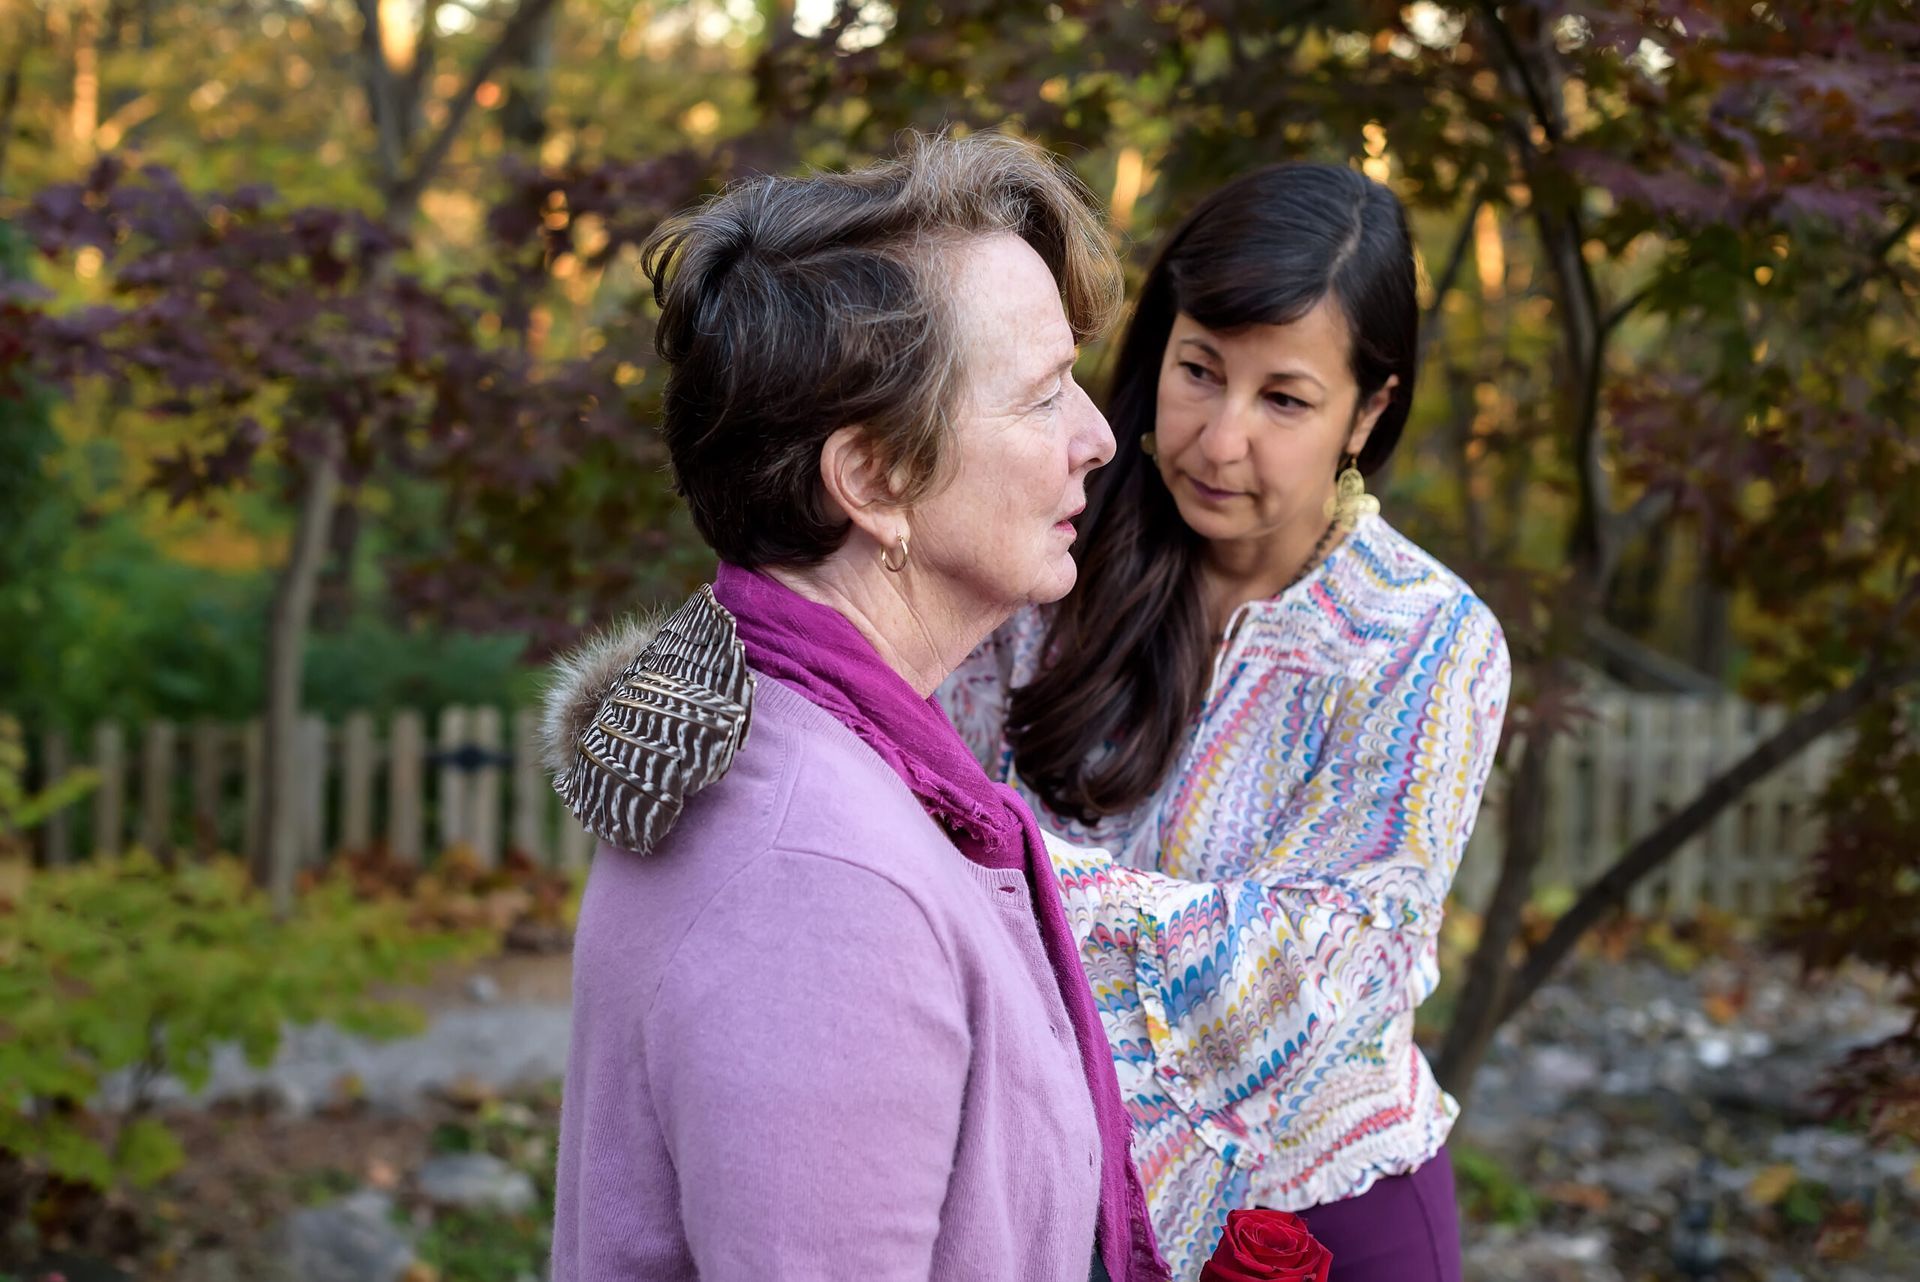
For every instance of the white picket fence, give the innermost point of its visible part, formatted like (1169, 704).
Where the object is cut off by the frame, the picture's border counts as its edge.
(1633, 762)
(476, 781)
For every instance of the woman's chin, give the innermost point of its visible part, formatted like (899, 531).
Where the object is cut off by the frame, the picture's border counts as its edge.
(1056, 581)
(1210, 523)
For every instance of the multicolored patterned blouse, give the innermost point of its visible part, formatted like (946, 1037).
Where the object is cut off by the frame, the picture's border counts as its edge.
(1266, 921)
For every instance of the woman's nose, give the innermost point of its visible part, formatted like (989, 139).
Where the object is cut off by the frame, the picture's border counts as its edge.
(1223, 438)
(1093, 435)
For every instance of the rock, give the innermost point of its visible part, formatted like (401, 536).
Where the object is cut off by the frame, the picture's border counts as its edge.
(352, 1240)
(1556, 1072)
(1640, 1176)
(1713, 1051)
(1780, 1086)
(484, 989)
(1504, 1256)
(500, 1046)
(475, 1182)
(1844, 1161)
(290, 1096)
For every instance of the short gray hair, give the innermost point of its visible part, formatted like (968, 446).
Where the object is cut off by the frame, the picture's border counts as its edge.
(793, 306)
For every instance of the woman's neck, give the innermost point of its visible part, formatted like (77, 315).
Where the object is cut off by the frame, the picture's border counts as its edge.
(922, 642)
(1236, 571)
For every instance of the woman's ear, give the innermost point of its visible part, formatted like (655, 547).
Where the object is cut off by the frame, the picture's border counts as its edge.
(858, 484)
(1369, 414)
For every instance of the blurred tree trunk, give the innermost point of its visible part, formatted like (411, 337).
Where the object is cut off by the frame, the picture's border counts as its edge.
(10, 99)
(1712, 633)
(1521, 43)
(84, 118)
(277, 862)
(404, 177)
(523, 117)
(333, 599)
(1483, 995)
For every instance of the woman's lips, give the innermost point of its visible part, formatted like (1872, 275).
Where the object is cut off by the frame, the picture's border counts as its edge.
(1209, 493)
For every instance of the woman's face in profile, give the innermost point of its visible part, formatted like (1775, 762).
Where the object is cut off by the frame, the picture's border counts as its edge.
(997, 534)
(1250, 425)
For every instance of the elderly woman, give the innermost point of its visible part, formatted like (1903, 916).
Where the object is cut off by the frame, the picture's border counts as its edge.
(1279, 714)
(829, 1017)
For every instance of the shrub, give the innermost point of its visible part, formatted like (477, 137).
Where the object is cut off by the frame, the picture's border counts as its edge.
(123, 966)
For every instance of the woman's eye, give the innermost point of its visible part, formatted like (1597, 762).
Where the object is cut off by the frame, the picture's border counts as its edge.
(1199, 373)
(1280, 400)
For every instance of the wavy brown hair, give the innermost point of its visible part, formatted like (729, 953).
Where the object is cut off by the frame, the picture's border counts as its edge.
(1127, 652)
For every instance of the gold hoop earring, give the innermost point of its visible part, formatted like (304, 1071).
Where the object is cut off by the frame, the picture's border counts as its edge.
(1149, 445)
(886, 557)
(1350, 501)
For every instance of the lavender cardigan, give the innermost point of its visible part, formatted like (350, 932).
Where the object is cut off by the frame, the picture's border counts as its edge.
(812, 1040)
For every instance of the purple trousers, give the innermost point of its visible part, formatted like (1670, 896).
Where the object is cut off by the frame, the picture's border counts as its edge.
(1406, 1228)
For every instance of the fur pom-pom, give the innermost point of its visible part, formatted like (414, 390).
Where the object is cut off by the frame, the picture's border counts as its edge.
(578, 681)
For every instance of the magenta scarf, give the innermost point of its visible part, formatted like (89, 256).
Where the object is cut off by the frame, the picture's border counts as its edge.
(814, 649)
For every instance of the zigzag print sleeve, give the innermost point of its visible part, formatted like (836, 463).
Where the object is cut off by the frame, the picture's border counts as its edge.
(1238, 1001)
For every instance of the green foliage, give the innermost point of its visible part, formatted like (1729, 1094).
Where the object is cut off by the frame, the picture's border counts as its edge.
(483, 1246)
(21, 810)
(108, 624)
(486, 1247)
(125, 967)
(111, 626)
(1805, 1203)
(374, 664)
(26, 438)
(1489, 1191)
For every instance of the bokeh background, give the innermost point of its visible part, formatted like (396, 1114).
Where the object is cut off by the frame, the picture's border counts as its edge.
(326, 415)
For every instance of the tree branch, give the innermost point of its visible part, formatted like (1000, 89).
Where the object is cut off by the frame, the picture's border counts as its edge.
(383, 98)
(1620, 529)
(1660, 845)
(518, 26)
(10, 102)
(1627, 650)
(1582, 319)
(1625, 308)
(131, 115)
(1475, 1019)
(426, 54)
(1877, 259)
(1443, 284)
(1516, 58)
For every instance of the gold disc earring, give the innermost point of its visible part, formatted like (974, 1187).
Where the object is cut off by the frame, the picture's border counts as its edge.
(1149, 445)
(1350, 501)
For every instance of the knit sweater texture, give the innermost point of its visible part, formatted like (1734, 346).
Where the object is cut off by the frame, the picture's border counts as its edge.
(811, 1040)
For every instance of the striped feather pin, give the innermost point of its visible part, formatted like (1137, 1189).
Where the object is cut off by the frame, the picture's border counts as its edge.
(666, 727)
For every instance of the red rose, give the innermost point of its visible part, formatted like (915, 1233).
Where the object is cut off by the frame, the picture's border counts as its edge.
(1267, 1246)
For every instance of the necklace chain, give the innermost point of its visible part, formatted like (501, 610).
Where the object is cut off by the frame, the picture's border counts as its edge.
(1306, 566)
(1313, 558)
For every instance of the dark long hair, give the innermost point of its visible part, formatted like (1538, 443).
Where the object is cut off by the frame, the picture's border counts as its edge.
(1128, 650)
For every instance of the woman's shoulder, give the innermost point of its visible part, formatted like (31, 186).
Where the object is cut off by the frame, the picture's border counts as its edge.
(800, 783)
(844, 804)
(809, 825)
(1401, 587)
